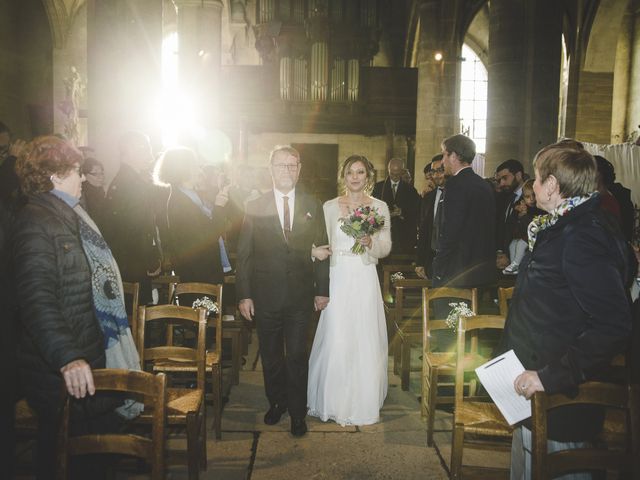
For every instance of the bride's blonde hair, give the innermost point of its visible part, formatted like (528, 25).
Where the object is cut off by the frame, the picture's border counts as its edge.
(371, 172)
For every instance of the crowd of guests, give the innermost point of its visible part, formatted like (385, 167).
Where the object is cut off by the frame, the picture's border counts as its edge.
(66, 244)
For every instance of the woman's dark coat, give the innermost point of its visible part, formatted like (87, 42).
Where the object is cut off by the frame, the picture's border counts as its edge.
(53, 284)
(570, 313)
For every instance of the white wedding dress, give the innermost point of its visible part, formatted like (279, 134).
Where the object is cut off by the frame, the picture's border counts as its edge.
(348, 363)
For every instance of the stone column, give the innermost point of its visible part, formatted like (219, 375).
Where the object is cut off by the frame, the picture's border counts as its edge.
(438, 81)
(124, 40)
(199, 52)
(524, 79)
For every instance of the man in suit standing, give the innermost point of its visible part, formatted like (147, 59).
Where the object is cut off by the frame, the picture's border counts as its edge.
(129, 220)
(430, 217)
(465, 253)
(403, 201)
(280, 285)
(510, 178)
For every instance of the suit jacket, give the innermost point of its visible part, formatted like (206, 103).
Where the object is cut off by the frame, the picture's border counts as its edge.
(424, 251)
(504, 224)
(129, 224)
(193, 240)
(466, 244)
(403, 229)
(275, 273)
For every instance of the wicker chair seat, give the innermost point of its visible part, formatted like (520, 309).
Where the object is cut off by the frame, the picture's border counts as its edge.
(482, 418)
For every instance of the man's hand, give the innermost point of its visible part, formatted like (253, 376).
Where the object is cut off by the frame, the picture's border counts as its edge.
(421, 273)
(528, 383)
(246, 308)
(320, 303)
(502, 260)
(396, 211)
(78, 378)
(223, 196)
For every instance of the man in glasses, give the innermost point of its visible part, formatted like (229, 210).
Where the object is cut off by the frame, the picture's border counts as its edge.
(430, 211)
(279, 284)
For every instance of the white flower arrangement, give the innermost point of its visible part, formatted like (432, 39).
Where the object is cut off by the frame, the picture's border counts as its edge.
(397, 276)
(209, 305)
(460, 309)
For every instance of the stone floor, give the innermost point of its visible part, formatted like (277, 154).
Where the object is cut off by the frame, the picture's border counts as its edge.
(395, 448)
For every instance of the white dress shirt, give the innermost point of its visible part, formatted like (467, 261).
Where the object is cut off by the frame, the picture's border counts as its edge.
(437, 200)
(280, 206)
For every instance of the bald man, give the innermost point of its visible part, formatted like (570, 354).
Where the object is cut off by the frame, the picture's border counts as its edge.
(404, 202)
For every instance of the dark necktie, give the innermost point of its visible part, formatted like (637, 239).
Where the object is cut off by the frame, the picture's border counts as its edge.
(394, 189)
(437, 221)
(286, 224)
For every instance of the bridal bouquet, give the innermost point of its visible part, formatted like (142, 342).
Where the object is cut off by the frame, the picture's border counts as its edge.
(364, 220)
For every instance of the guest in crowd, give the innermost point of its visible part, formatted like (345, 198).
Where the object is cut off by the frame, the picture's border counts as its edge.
(129, 226)
(615, 197)
(526, 210)
(465, 251)
(430, 219)
(428, 178)
(570, 314)
(93, 195)
(70, 298)
(403, 202)
(510, 178)
(194, 228)
(9, 151)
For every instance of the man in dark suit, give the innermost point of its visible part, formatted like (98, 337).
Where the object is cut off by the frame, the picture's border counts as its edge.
(279, 284)
(403, 201)
(465, 253)
(430, 210)
(129, 218)
(510, 178)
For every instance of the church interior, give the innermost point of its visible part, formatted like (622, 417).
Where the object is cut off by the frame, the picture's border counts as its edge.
(333, 78)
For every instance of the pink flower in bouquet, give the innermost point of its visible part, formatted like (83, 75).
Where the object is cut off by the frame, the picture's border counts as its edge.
(363, 221)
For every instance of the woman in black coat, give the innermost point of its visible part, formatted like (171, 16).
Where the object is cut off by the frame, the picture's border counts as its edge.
(569, 315)
(193, 229)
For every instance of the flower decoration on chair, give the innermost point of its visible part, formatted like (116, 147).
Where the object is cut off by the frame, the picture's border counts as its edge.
(396, 276)
(209, 305)
(460, 309)
(363, 221)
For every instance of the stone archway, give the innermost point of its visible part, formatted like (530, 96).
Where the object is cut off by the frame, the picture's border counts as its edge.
(61, 14)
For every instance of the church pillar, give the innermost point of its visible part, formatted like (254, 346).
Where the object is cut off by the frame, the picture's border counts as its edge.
(124, 42)
(199, 53)
(438, 91)
(524, 79)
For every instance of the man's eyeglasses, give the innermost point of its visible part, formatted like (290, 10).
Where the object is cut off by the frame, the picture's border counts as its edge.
(99, 173)
(292, 167)
(438, 170)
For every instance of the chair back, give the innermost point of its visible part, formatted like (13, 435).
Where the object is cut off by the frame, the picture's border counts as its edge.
(625, 458)
(430, 294)
(132, 290)
(504, 297)
(471, 326)
(387, 271)
(165, 285)
(211, 290)
(146, 387)
(407, 300)
(173, 315)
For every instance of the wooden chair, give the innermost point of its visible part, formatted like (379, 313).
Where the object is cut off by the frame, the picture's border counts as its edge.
(476, 424)
(618, 449)
(407, 325)
(132, 290)
(213, 364)
(151, 389)
(185, 406)
(164, 284)
(436, 364)
(504, 297)
(387, 286)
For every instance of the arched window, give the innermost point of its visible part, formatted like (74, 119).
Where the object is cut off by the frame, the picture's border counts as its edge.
(473, 98)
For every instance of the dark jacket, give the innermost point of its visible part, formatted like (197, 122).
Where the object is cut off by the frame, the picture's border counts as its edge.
(404, 227)
(129, 228)
(53, 285)
(623, 196)
(569, 314)
(466, 254)
(93, 201)
(193, 240)
(424, 252)
(276, 274)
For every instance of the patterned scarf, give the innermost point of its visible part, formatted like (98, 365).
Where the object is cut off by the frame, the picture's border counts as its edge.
(542, 222)
(108, 304)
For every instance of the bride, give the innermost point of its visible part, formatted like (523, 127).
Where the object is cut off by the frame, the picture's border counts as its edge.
(348, 363)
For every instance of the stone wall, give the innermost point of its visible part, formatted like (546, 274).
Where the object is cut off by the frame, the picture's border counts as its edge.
(633, 109)
(595, 99)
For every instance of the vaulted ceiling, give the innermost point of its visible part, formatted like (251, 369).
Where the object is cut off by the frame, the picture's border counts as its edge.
(61, 14)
